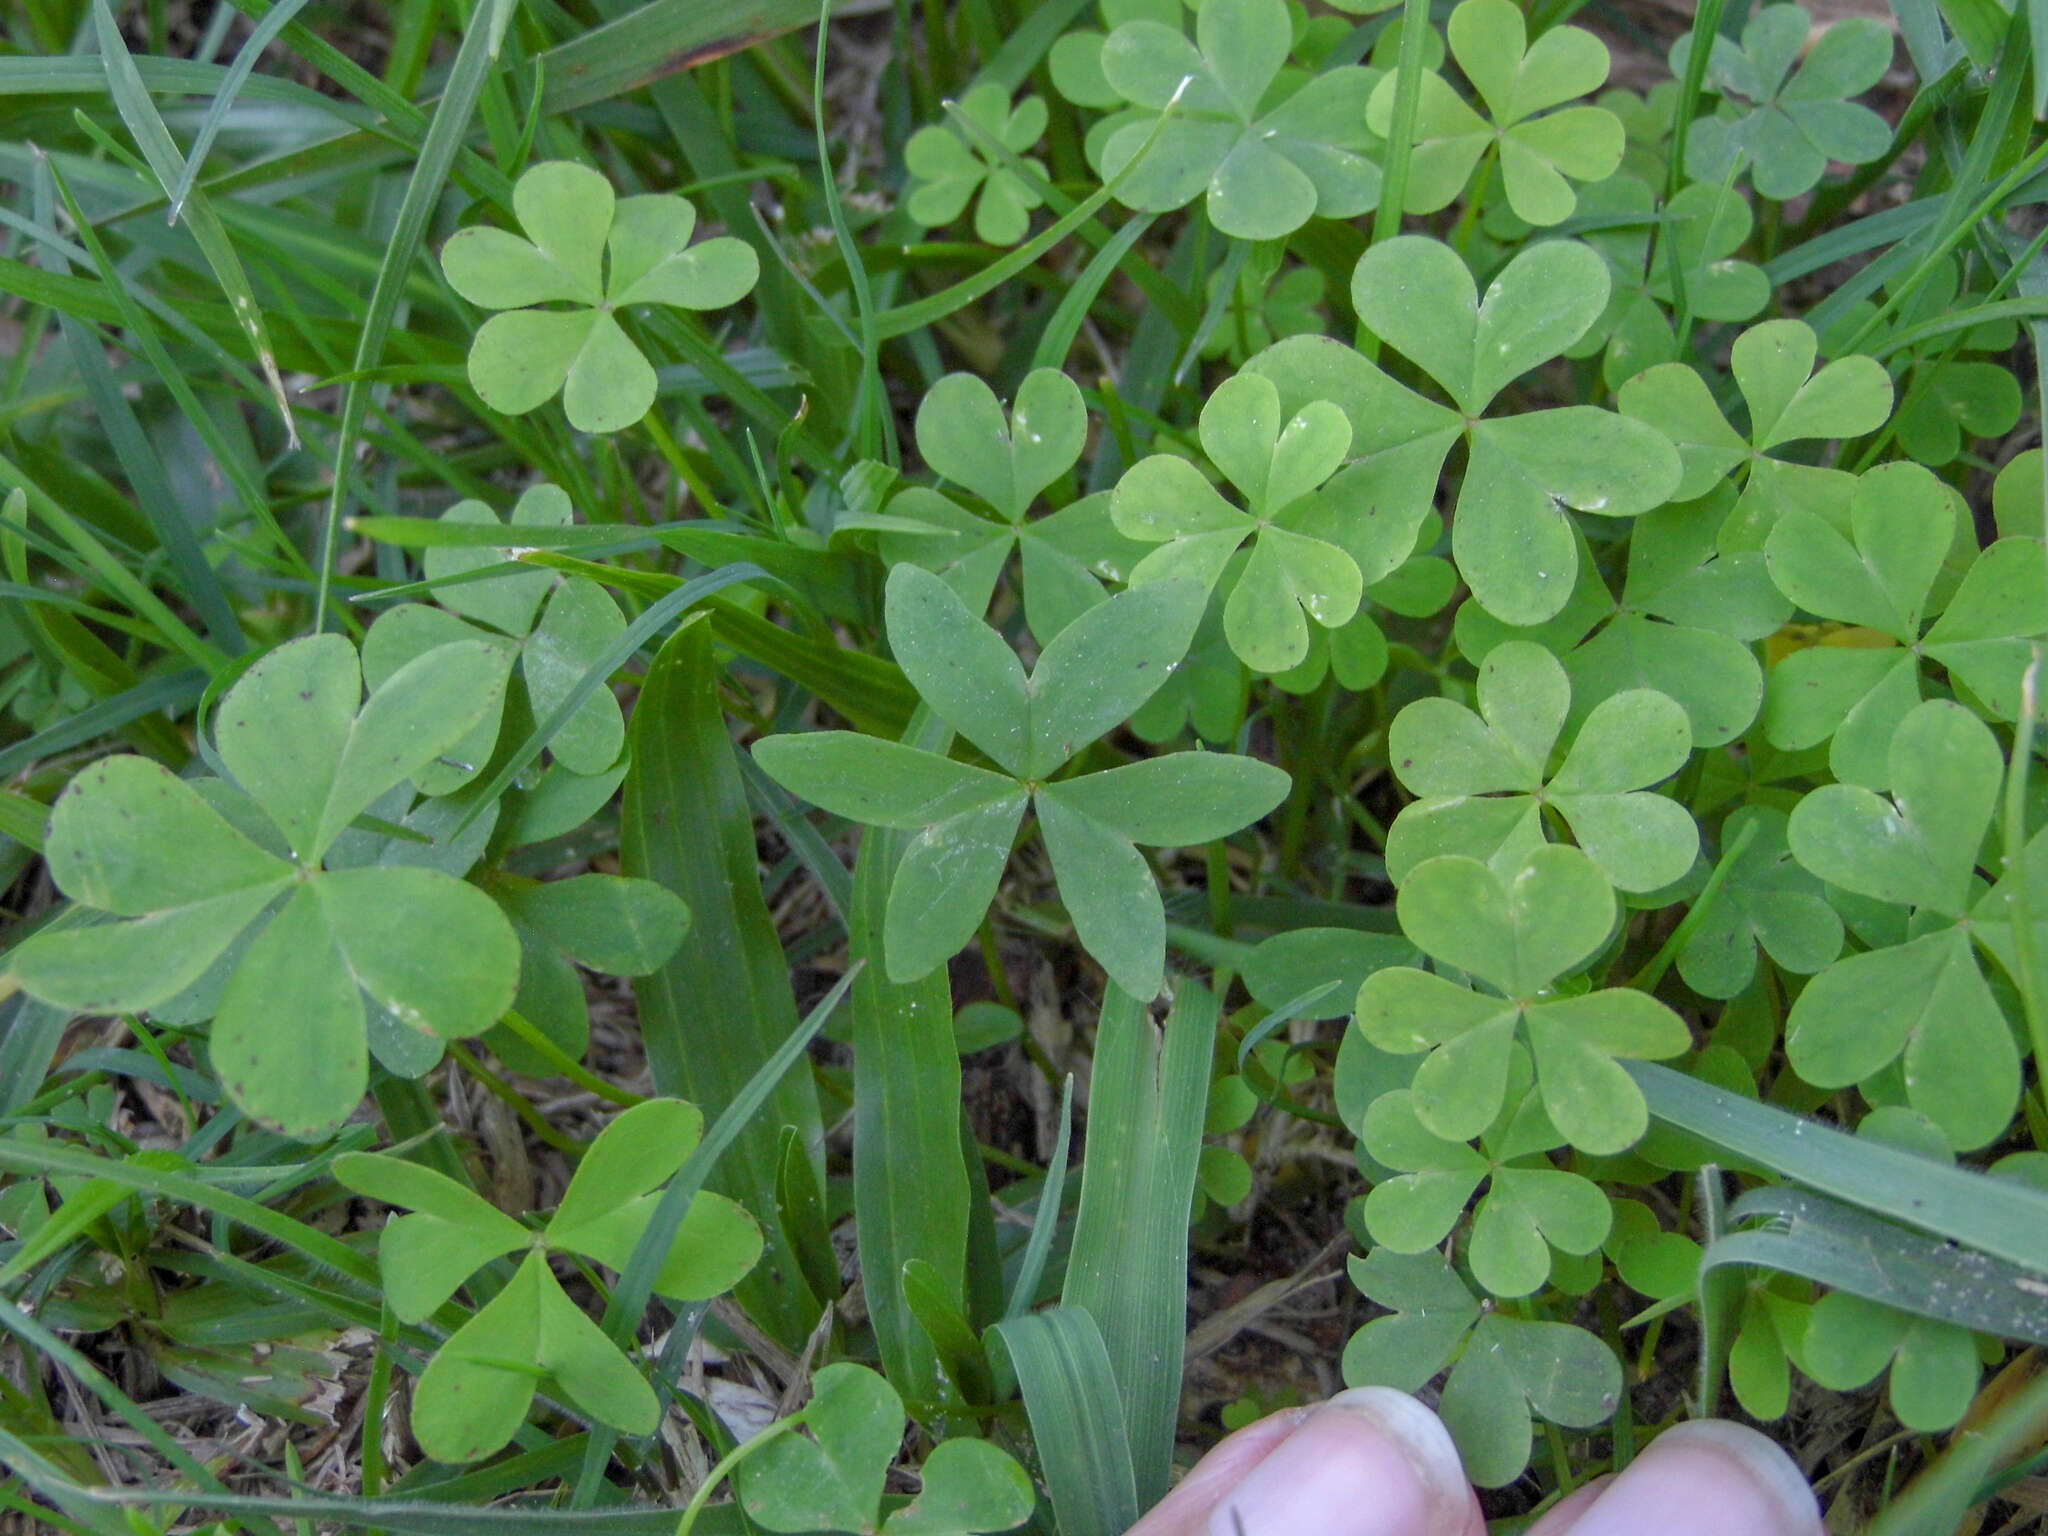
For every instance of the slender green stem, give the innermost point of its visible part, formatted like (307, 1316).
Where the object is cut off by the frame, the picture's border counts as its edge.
(529, 1035)
(515, 1101)
(724, 1469)
(2019, 898)
(1386, 220)
(1647, 978)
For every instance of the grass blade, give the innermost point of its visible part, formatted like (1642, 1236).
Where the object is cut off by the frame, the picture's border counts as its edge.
(906, 1116)
(656, 40)
(1128, 1269)
(1032, 1269)
(721, 1006)
(2006, 1220)
(27, 1047)
(147, 478)
(597, 675)
(167, 694)
(260, 38)
(444, 136)
(1077, 1421)
(1849, 1250)
(132, 101)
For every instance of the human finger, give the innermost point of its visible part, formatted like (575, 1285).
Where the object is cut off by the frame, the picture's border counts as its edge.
(1370, 1462)
(1704, 1478)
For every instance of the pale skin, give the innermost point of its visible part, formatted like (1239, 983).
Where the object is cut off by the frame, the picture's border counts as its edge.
(1373, 1462)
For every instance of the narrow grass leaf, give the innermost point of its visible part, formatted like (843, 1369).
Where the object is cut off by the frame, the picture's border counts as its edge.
(1024, 1295)
(260, 37)
(444, 136)
(132, 101)
(1128, 1266)
(169, 694)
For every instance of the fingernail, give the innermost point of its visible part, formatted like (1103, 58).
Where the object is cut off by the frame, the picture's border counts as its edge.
(1704, 1478)
(1370, 1462)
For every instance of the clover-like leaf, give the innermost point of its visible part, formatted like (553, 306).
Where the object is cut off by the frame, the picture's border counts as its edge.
(575, 228)
(1700, 232)
(1520, 928)
(1784, 127)
(476, 1391)
(1788, 402)
(1766, 901)
(311, 754)
(616, 1188)
(1528, 1209)
(106, 850)
(1484, 780)
(1684, 625)
(1541, 150)
(1506, 1366)
(1923, 1001)
(949, 166)
(553, 647)
(832, 1482)
(968, 1485)
(506, 603)
(1299, 569)
(1511, 535)
(1090, 678)
(1430, 1311)
(1264, 167)
(1007, 462)
(448, 1233)
(1513, 1365)
(1877, 577)
(1934, 1366)
(1075, 60)
(1647, 1258)
(610, 923)
(1945, 397)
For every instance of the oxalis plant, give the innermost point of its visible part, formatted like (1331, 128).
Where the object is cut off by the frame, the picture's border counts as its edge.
(743, 771)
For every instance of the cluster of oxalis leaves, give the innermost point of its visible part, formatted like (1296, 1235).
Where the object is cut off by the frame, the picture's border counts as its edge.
(1697, 736)
(1711, 676)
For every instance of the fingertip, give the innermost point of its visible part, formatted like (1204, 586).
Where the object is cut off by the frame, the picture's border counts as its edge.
(1707, 1477)
(1370, 1462)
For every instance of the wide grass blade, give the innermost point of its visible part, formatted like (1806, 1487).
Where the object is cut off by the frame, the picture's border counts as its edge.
(656, 40)
(1129, 1265)
(910, 1185)
(2004, 1219)
(28, 1044)
(1849, 1250)
(721, 1006)
(1077, 1421)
